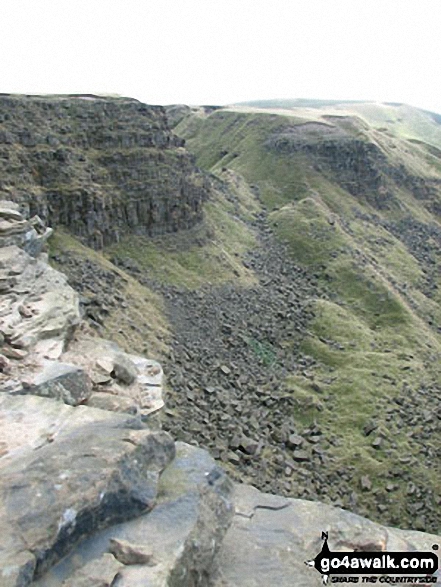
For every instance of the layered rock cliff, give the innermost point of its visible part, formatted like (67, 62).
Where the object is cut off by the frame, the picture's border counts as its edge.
(100, 167)
(342, 150)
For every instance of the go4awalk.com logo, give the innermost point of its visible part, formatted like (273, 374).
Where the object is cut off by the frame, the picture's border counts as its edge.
(411, 568)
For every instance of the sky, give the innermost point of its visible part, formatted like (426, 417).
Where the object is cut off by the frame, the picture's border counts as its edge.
(224, 51)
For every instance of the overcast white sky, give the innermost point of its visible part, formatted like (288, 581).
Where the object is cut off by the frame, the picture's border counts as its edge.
(224, 51)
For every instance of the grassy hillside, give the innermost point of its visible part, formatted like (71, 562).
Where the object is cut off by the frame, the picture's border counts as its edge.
(116, 306)
(398, 119)
(307, 302)
(360, 208)
(210, 253)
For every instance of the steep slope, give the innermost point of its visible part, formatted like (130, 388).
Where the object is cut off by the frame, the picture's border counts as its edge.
(297, 318)
(359, 209)
(101, 167)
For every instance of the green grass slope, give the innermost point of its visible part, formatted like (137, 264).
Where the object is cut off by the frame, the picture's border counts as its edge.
(360, 207)
(209, 253)
(399, 119)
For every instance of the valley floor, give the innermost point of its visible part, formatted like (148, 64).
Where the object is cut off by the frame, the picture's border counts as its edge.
(242, 384)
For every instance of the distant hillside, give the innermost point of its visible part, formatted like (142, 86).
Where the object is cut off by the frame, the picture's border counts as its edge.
(398, 119)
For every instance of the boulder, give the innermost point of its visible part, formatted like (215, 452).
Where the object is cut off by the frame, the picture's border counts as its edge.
(30, 235)
(99, 573)
(113, 403)
(124, 369)
(131, 554)
(61, 381)
(66, 472)
(110, 370)
(178, 539)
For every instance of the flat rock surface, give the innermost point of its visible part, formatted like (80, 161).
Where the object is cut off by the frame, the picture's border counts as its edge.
(66, 472)
(182, 533)
(271, 537)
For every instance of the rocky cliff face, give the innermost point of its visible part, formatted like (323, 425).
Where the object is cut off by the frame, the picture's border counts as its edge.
(358, 165)
(100, 167)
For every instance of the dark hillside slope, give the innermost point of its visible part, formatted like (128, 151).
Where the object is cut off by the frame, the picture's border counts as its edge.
(101, 167)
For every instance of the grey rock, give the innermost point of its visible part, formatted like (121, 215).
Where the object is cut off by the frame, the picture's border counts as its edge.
(65, 473)
(183, 532)
(369, 428)
(301, 455)
(131, 554)
(225, 370)
(377, 443)
(60, 381)
(249, 445)
(97, 573)
(295, 441)
(124, 369)
(113, 403)
(366, 483)
(271, 538)
(52, 305)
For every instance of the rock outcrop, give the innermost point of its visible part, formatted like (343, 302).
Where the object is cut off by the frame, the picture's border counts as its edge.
(174, 545)
(41, 354)
(102, 167)
(66, 472)
(350, 158)
(69, 470)
(39, 310)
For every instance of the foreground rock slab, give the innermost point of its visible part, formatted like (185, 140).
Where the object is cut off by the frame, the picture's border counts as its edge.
(66, 472)
(173, 545)
(271, 537)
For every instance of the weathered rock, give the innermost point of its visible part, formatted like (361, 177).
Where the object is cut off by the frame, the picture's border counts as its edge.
(249, 445)
(60, 381)
(53, 305)
(377, 443)
(102, 167)
(16, 230)
(301, 455)
(10, 210)
(183, 532)
(97, 573)
(366, 483)
(271, 538)
(66, 472)
(100, 359)
(113, 403)
(124, 370)
(131, 554)
(295, 441)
